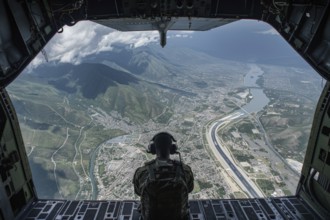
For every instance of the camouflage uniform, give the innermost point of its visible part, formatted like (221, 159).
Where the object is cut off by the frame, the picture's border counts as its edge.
(142, 173)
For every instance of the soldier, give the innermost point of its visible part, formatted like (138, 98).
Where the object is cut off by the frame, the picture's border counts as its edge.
(163, 184)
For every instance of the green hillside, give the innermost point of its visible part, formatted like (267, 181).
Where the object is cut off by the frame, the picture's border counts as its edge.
(84, 85)
(67, 111)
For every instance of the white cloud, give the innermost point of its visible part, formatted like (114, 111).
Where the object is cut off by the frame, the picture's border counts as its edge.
(86, 38)
(39, 59)
(74, 43)
(271, 31)
(134, 39)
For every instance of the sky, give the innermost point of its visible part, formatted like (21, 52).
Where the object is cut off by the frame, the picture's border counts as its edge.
(245, 40)
(86, 38)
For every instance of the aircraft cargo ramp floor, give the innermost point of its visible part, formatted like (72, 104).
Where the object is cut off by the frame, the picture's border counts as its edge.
(259, 208)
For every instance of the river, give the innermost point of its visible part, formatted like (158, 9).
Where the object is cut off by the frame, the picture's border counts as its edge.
(259, 100)
(48, 189)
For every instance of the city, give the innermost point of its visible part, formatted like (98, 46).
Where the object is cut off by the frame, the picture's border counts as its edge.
(95, 145)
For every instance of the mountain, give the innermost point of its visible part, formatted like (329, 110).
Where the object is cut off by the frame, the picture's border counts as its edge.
(155, 64)
(98, 85)
(244, 41)
(143, 61)
(90, 79)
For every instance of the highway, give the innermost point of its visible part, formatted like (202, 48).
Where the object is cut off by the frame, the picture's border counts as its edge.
(250, 189)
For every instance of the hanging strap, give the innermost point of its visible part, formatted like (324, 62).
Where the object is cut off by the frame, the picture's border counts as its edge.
(178, 174)
(151, 173)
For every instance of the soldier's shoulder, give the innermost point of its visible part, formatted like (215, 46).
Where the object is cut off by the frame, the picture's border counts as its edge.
(176, 162)
(149, 163)
(186, 167)
(144, 167)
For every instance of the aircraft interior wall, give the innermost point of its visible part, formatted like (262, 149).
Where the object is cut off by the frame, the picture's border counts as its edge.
(16, 186)
(314, 183)
(27, 26)
(25, 30)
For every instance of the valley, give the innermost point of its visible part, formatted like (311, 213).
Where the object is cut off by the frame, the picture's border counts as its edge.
(86, 126)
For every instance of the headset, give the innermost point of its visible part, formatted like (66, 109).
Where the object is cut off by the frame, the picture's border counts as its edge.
(152, 147)
(173, 149)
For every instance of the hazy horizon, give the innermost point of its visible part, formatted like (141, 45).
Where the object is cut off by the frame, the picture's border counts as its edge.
(88, 114)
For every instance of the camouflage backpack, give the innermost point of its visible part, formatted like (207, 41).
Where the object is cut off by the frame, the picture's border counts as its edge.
(164, 193)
